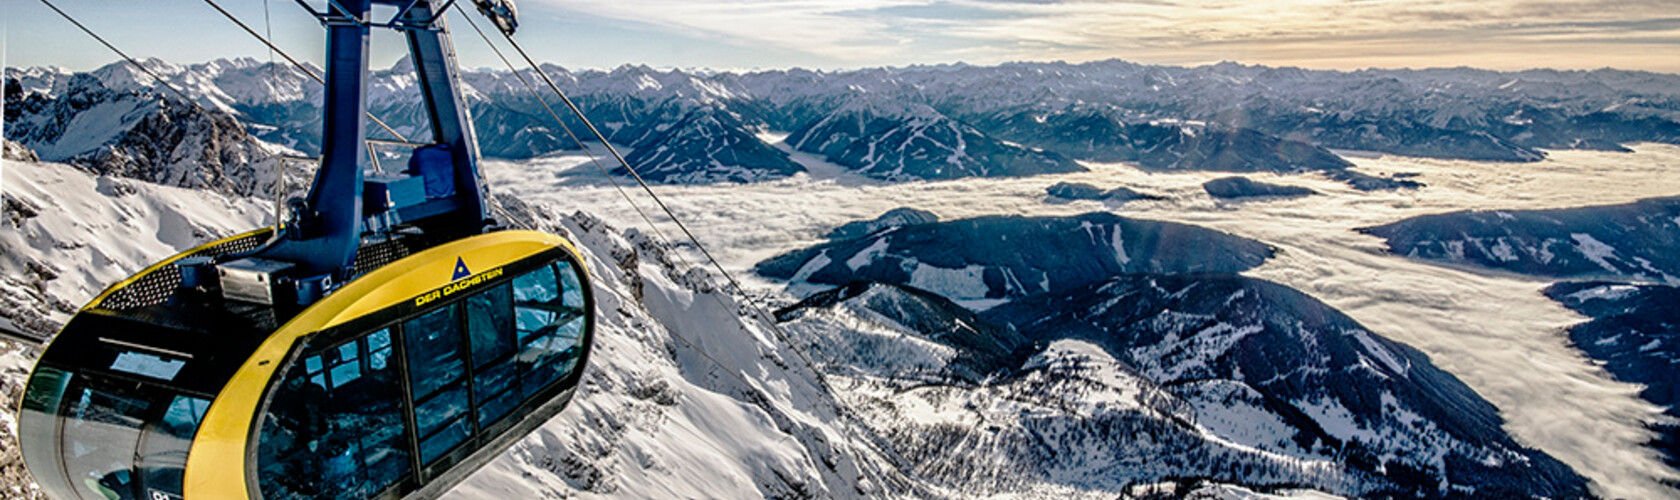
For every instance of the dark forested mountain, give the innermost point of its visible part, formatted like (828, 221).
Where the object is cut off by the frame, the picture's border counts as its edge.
(1633, 241)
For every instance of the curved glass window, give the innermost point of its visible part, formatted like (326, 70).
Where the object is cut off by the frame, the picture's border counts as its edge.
(549, 324)
(335, 427)
(101, 434)
(163, 448)
(495, 377)
(117, 438)
(436, 369)
(434, 350)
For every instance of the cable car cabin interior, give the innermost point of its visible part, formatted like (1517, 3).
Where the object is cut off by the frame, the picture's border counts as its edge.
(384, 340)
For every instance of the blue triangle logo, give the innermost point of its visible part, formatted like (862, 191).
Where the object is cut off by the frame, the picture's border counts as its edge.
(461, 270)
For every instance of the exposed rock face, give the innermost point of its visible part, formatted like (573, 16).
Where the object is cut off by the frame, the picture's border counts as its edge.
(18, 152)
(143, 136)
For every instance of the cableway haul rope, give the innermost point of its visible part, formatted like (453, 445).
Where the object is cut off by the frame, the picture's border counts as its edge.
(891, 452)
(300, 66)
(17, 335)
(885, 448)
(730, 277)
(562, 124)
(329, 356)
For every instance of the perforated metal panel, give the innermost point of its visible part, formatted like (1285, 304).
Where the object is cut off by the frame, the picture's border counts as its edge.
(162, 284)
(376, 255)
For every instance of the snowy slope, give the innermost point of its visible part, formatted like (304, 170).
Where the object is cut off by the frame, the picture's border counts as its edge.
(660, 417)
(1633, 241)
(142, 135)
(64, 236)
(1068, 421)
(898, 141)
(732, 414)
(68, 234)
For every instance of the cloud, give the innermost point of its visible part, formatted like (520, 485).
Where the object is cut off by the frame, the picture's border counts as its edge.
(821, 28)
(1318, 33)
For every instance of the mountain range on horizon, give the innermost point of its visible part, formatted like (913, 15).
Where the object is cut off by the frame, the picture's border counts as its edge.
(931, 122)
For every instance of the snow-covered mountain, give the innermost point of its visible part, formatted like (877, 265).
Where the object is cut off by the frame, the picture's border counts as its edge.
(1009, 257)
(1103, 135)
(688, 394)
(1177, 374)
(142, 135)
(1232, 378)
(1633, 326)
(945, 342)
(1000, 118)
(901, 216)
(1634, 241)
(708, 145)
(1269, 367)
(655, 417)
(1060, 420)
(903, 142)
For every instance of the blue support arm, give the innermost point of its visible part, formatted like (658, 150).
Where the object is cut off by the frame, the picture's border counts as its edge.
(324, 237)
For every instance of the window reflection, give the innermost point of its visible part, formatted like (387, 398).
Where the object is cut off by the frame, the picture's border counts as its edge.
(335, 425)
(436, 367)
(163, 453)
(101, 436)
(550, 325)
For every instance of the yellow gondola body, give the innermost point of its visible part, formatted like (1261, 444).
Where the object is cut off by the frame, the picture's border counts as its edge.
(386, 339)
(102, 394)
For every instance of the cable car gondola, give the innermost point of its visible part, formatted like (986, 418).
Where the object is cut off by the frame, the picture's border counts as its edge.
(384, 341)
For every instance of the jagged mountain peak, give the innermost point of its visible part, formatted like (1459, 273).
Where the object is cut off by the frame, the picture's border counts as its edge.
(141, 134)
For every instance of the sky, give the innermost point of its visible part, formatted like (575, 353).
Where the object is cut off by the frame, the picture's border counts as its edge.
(846, 34)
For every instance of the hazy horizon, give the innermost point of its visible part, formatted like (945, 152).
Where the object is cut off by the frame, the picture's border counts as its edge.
(498, 67)
(839, 35)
